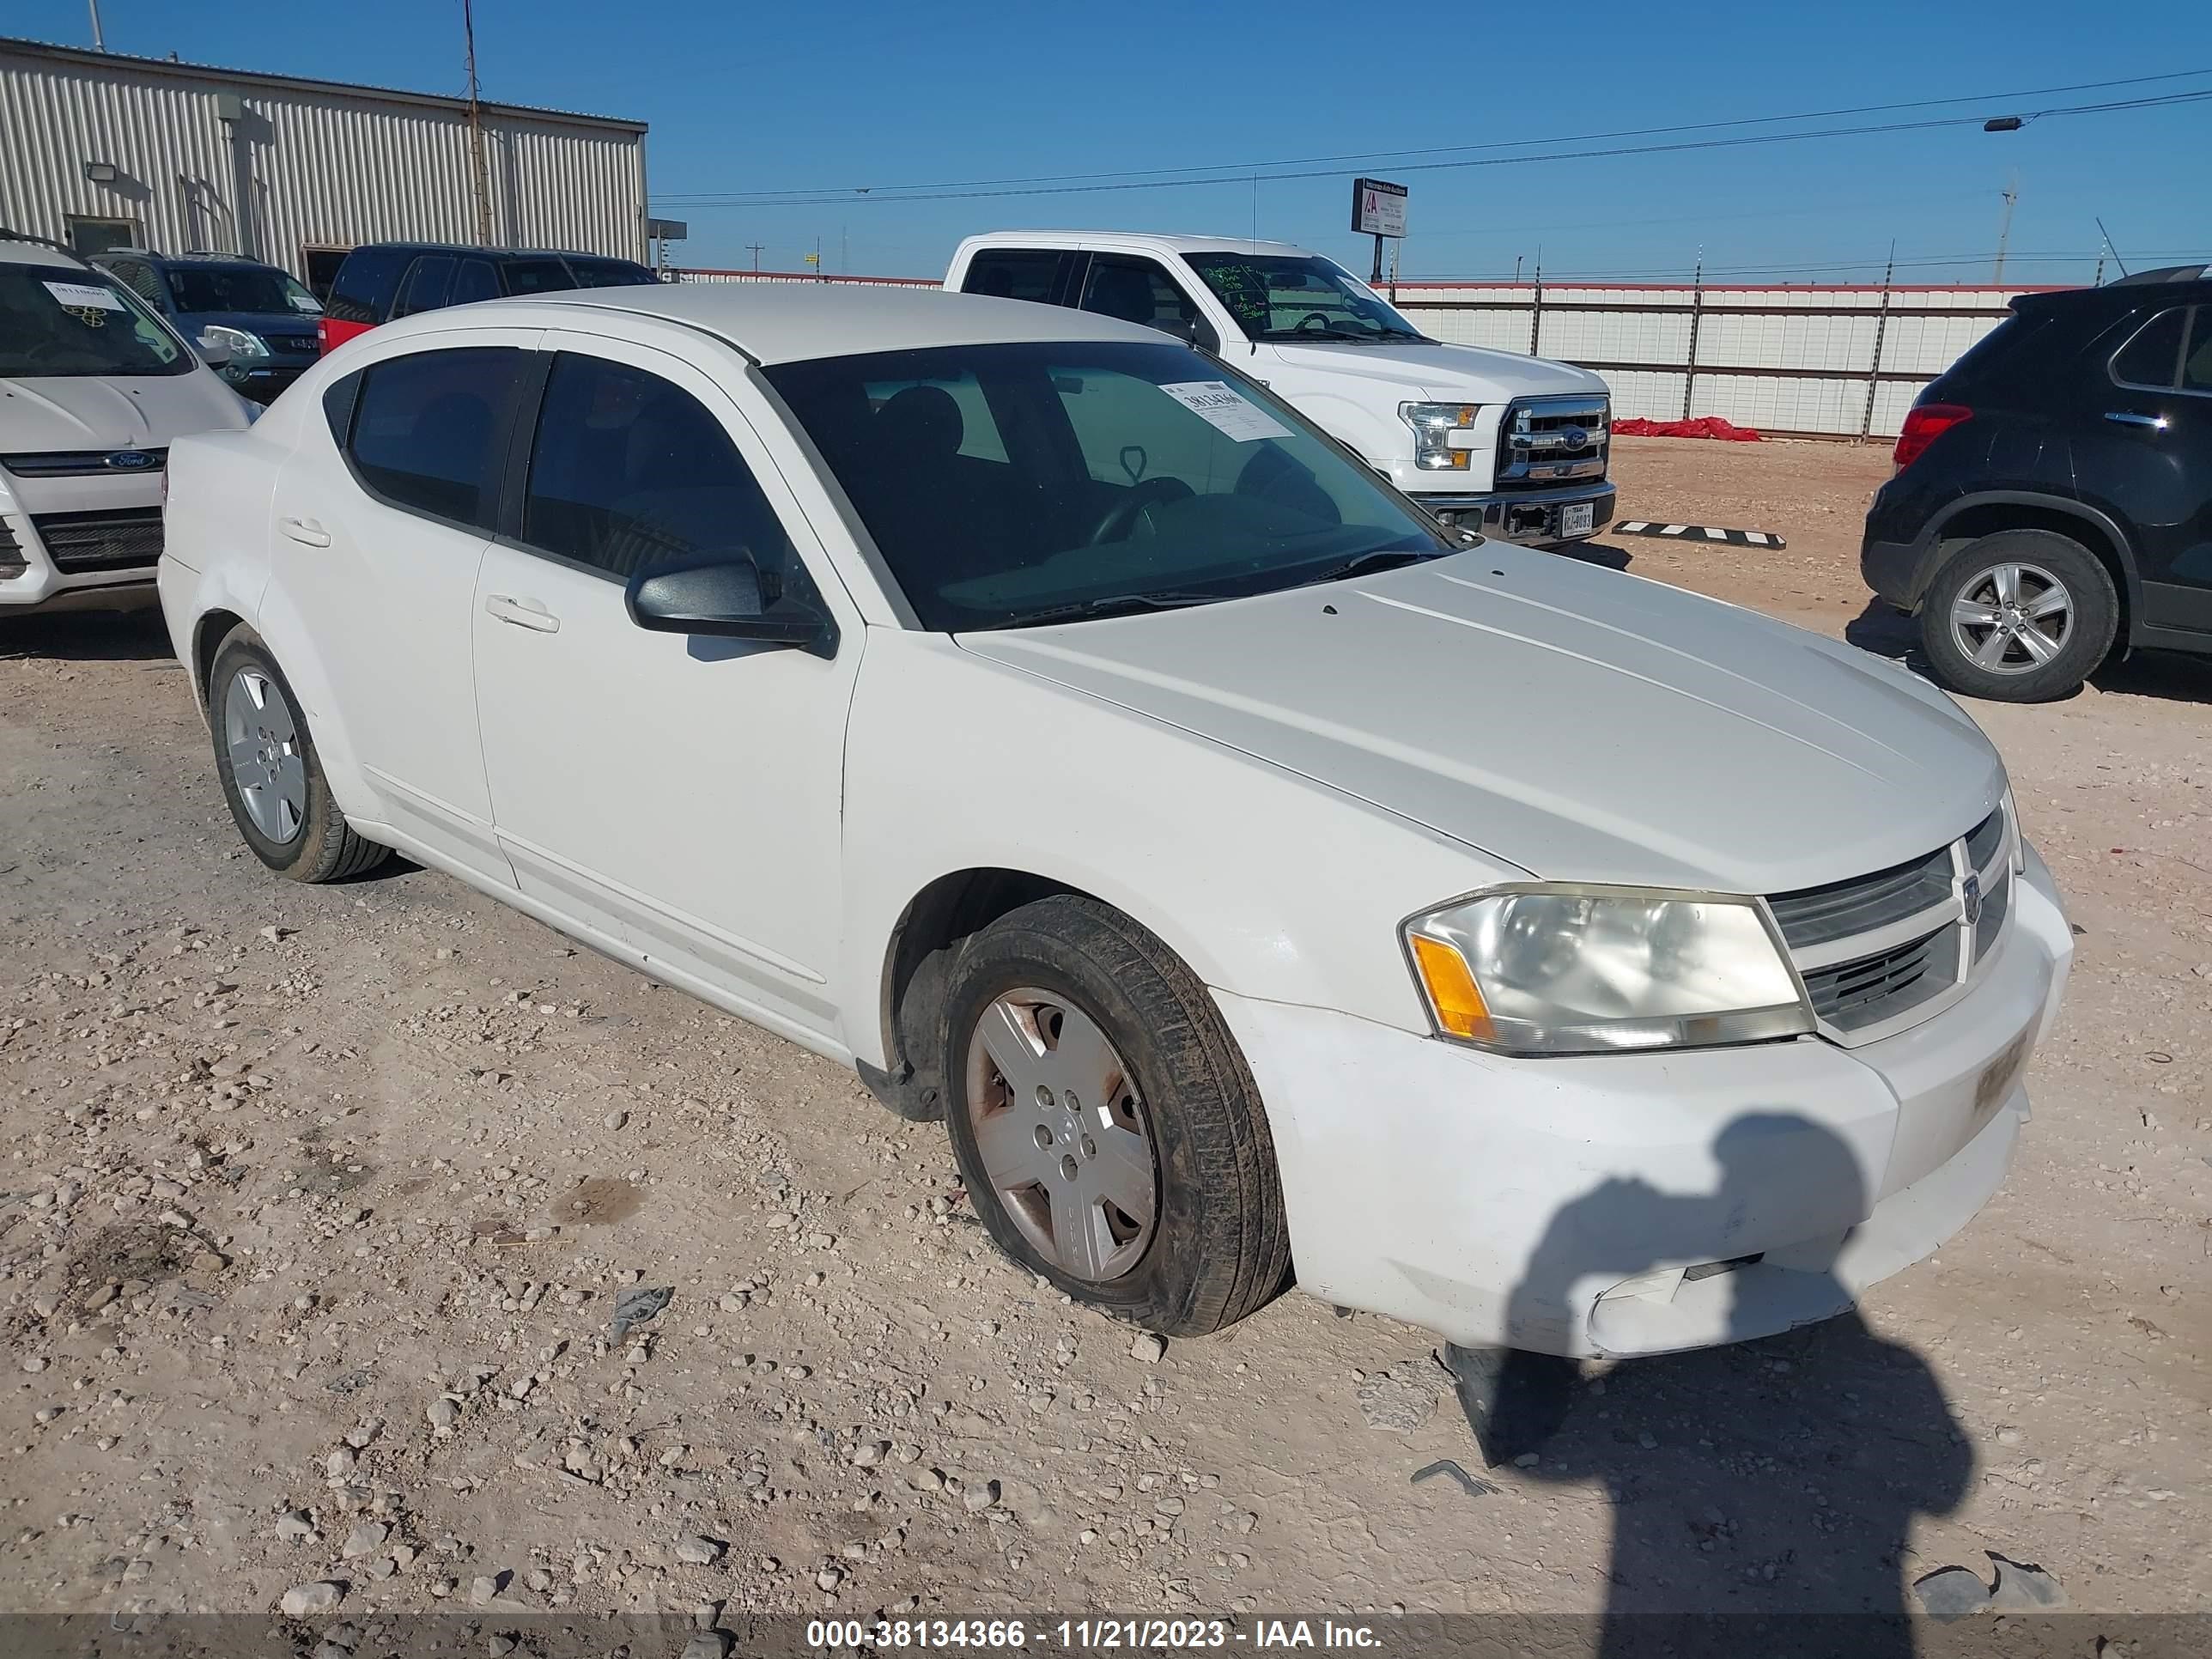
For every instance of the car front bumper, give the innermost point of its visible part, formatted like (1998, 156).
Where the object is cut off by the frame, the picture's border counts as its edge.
(1636, 1204)
(1531, 517)
(108, 561)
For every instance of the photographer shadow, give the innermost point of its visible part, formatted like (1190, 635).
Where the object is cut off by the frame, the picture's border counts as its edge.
(1762, 1494)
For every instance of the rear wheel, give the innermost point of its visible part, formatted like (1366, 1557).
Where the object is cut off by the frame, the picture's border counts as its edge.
(266, 760)
(2022, 616)
(1108, 1133)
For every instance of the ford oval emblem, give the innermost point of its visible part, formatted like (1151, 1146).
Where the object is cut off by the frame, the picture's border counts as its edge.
(1574, 437)
(130, 460)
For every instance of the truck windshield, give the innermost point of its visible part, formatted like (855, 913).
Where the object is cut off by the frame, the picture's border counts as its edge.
(1010, 485)
(237, 288)
(1276, 296)
(63, 320)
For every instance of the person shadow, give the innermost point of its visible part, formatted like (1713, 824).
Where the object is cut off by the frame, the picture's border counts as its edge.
(1762, 1495)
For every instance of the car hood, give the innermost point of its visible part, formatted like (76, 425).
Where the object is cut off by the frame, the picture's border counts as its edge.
(1577, 723)
(1444, 373)
(120, 411)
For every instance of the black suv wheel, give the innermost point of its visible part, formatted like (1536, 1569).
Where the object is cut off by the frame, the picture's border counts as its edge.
(2022, 616)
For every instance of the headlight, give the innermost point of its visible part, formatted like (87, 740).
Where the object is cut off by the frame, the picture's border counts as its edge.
(237, 342)
(1570, 970)
(1433, 425)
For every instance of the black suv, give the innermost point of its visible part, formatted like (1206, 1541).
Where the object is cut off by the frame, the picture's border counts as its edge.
(2053, 497)
(384, 280)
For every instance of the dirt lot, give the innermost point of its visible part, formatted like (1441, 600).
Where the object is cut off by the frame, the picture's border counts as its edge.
(317, 1205)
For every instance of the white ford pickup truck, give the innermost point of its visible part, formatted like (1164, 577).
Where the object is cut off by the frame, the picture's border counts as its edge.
(1513, 447)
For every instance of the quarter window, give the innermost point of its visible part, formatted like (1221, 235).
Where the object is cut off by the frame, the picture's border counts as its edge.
(426, 429)
(629, 472)
(2153, 357)
(2196, 358)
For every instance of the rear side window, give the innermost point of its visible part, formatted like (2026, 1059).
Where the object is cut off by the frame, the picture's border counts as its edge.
(2196, 356)
(1018, 273)
(629, 472)
(610, 273)
(537, 276)
(428, 431)
(428, 285)
(2153, 356)
(362, 291)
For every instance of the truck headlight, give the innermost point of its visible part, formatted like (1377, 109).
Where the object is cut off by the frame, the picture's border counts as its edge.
(237, 342)
(1556, 970)
(1433, 425)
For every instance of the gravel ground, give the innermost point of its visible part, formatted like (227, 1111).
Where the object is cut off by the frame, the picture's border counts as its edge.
(319, 1206)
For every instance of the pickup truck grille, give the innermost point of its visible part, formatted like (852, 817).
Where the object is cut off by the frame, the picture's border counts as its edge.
(1882, 951)
(1542, 441)
(102, 541)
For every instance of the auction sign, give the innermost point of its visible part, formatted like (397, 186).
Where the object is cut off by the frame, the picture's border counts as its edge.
(1378, 209)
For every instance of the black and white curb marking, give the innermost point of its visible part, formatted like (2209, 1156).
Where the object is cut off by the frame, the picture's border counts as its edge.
(1698, 532)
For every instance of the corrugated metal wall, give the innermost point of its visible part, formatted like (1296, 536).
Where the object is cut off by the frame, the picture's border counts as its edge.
(1783, 360)
(307, 167)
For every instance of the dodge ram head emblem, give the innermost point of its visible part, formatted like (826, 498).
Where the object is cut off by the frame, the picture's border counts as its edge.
(1970, 894)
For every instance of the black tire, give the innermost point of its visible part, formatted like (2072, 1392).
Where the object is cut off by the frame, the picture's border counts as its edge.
(324, 846)
(2093, 621)
(1220, 1247)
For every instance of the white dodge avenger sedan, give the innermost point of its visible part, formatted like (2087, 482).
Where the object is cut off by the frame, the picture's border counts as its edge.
(1038, 716)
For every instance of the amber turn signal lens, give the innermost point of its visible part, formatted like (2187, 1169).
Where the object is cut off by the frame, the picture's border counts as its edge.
(1453, 995)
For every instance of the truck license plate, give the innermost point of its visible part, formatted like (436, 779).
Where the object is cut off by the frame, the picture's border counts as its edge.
(1578, 519)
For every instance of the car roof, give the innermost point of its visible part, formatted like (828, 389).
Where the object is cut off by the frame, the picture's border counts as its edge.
(2177, 285)
(1173, 242)
(790, 322)
(489, 252)
(16, 252)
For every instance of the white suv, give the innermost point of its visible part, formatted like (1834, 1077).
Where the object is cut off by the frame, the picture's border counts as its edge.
(93, 388)
(1513, 447)
(1049, 722)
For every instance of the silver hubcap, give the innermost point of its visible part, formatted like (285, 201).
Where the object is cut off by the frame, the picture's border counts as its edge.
(1062, 1135)
(265, 763)
(2012, 618)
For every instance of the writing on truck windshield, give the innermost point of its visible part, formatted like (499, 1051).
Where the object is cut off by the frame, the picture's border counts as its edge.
(1277, 296)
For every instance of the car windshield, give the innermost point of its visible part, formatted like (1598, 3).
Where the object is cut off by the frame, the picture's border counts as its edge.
(1007, 485)
(198, 288)
(1276, 296)
(64, 320)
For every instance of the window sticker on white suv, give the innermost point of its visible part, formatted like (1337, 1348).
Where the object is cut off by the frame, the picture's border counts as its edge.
(1217, 402)
(81, 297)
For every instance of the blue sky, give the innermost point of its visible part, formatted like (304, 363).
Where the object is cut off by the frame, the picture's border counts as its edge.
(778, 97)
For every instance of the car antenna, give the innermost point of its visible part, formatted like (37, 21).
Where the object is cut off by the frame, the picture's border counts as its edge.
(2109, 248)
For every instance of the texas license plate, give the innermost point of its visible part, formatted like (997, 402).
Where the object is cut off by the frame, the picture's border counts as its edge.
(1578, 519)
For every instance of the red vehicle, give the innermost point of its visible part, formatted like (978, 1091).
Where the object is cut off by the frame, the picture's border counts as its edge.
(380, 281)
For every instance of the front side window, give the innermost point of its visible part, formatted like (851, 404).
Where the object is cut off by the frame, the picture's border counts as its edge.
(1134, 290)
(610, 273)
(629, 472)
(69, 322)
(1279, 296)
(1134, 476)
(2152, 357)
(200, 288)
(426, 431)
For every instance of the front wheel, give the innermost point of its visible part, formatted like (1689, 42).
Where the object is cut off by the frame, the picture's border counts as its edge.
(1108, 1133)
(2022, 616)
(270, 775)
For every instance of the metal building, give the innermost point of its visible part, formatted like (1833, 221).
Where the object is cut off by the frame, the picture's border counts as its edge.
(99, 149)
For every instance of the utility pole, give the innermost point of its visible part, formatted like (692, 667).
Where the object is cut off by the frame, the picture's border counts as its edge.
(2004, 229)
(479, 177)
(754, 248)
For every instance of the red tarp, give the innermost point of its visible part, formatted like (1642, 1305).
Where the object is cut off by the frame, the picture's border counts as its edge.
(1706, 425)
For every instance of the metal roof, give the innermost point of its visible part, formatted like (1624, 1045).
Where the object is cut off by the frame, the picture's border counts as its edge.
(84, 57)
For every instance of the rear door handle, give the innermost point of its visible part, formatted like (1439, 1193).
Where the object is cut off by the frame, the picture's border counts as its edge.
(306, 532)
(2127, 417)
(523, 613)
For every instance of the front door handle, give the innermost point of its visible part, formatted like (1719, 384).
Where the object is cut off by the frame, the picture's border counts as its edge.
(523, 613)
(2128, 417)
(306, 532)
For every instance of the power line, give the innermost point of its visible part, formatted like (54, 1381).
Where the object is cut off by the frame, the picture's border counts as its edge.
(1247, 173)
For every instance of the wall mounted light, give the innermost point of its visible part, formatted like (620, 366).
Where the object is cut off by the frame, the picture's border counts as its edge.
(101, 173)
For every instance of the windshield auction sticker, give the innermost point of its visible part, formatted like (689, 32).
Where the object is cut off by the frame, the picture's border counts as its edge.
(85, 296)
(1217, 402)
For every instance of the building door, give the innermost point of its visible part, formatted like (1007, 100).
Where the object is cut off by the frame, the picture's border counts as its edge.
(321, 264)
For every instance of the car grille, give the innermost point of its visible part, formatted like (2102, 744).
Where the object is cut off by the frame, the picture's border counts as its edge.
(102, 541)
(291, 342)
(83, 462)
(1547, 441)
(1879, 951)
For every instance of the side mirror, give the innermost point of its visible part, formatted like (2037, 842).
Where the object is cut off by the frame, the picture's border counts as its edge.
(723, 599)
